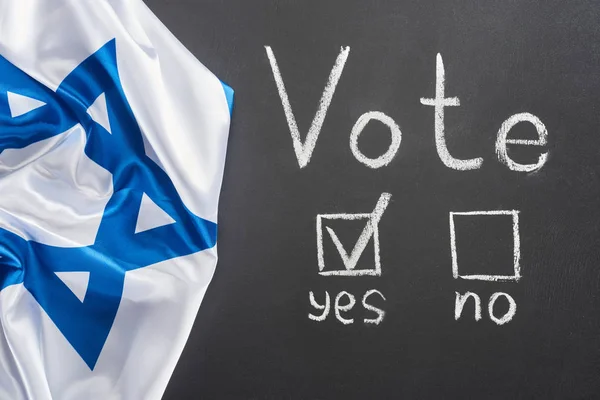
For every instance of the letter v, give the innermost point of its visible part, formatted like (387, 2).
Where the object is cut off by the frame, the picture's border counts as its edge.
(304, 150)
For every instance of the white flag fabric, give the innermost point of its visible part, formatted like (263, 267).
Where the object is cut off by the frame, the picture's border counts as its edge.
(112, 148)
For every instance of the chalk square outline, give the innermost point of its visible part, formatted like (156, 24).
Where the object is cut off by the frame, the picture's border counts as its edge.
(347, 272)
(516, 248)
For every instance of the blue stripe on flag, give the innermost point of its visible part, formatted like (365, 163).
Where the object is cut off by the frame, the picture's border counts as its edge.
(228, 95)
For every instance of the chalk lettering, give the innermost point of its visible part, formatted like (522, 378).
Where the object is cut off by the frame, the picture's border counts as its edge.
(344, 308)
(439, 102)
(380, 313)
(460, 301)
(316, 305)
(389, 155)
(502, 141)
(512, 308)
(304, 150)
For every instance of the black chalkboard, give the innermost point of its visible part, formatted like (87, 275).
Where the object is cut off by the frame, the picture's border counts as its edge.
(253, 338)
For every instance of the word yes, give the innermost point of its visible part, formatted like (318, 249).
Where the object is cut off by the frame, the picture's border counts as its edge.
(343, 308)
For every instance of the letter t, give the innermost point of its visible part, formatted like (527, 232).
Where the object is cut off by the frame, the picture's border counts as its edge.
(439, 103)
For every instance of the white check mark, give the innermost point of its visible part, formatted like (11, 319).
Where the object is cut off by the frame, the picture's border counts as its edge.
(350, 260)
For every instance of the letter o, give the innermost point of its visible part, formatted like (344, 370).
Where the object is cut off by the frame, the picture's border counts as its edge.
(357, 129)
(512, 308)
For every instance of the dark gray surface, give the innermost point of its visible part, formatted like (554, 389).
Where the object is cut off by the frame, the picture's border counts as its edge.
(252, 338)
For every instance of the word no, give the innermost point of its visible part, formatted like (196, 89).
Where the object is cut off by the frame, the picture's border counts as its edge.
(439, 103)
(461, 300)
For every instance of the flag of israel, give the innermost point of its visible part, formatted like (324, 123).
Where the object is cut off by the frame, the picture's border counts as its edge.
(112, 149)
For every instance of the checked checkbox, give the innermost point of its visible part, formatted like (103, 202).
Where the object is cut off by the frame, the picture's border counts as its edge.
(350, 260)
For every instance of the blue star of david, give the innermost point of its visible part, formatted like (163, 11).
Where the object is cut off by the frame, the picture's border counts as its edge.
(117, 248)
